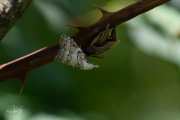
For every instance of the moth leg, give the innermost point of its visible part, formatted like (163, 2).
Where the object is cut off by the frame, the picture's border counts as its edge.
(113, 34)
(95, 40)
(103, 36)
(93, 50)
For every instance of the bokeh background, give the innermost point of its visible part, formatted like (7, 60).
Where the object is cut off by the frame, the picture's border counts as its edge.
(140, 80)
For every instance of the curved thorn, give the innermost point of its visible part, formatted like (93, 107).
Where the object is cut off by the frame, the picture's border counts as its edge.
(22, 86)
(22, 79)
(101, 9)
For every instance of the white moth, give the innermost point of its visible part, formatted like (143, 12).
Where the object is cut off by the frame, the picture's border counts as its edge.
(71, 54)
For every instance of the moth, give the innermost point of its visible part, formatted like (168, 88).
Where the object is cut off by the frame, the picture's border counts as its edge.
(71, 54)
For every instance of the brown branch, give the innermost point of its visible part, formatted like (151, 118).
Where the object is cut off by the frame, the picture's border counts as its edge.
(10, 12)
(20, 67)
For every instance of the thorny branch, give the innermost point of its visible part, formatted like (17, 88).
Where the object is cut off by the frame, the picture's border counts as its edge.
(21, 66)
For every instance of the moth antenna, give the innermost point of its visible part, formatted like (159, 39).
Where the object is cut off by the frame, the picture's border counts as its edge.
(100, 56)
(101, 9)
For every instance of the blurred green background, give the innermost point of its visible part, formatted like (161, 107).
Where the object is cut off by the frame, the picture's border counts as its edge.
(140, 80)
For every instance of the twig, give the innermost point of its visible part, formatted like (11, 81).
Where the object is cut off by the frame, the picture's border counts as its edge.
(20, 67)
(10, 12)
